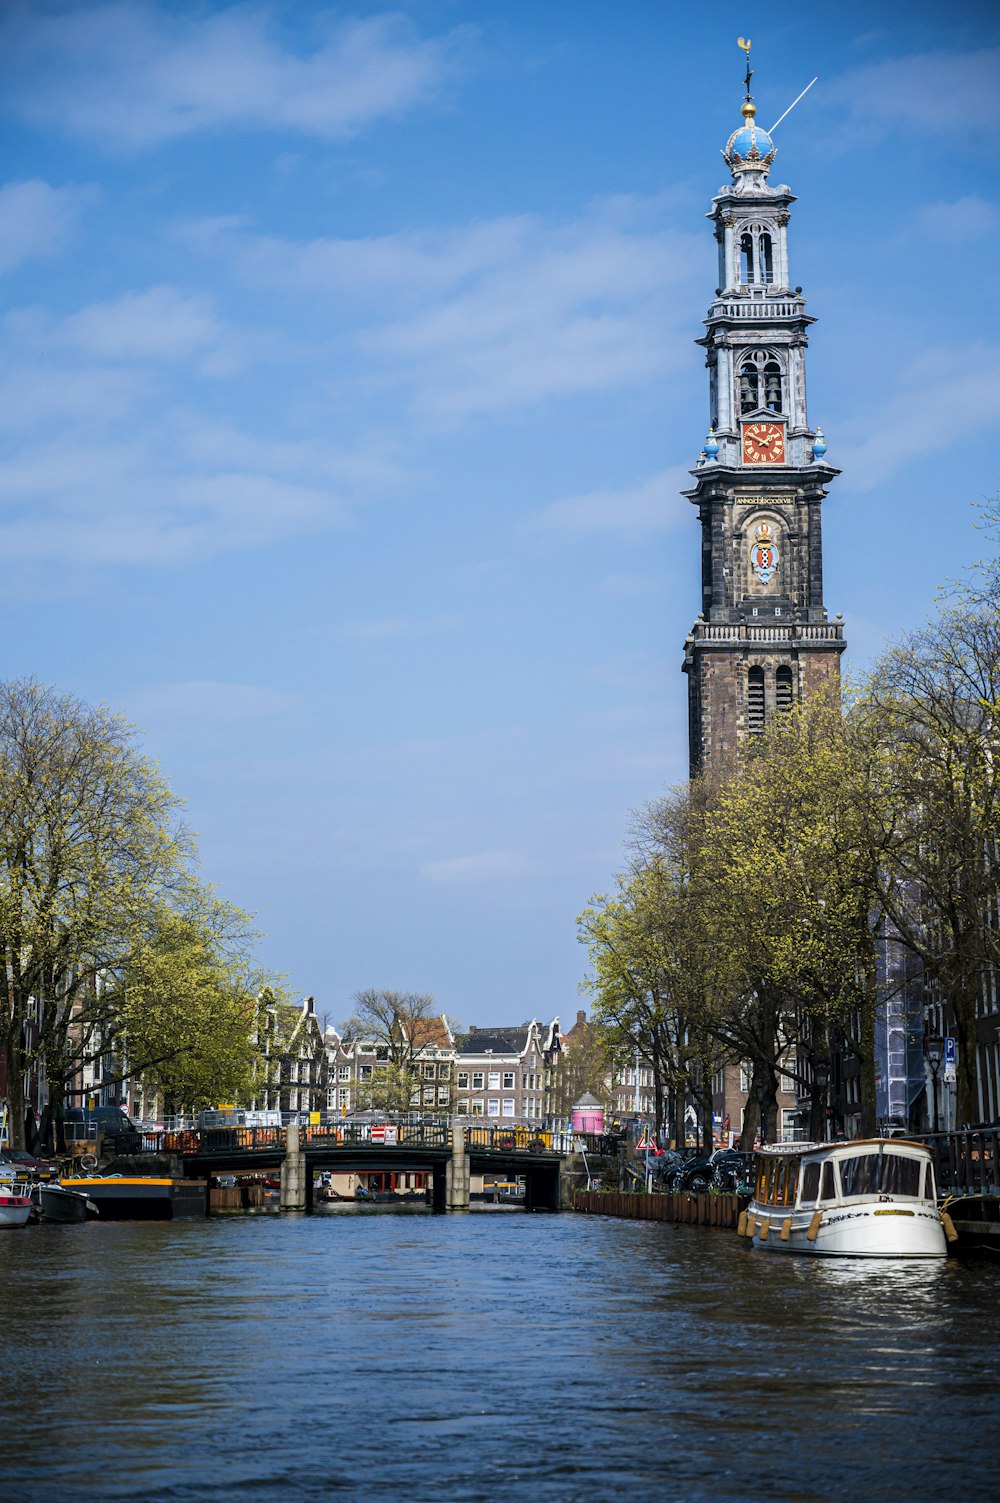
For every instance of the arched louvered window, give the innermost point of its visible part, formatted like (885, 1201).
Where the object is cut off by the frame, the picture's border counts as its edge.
(755, 701)
(783, 690)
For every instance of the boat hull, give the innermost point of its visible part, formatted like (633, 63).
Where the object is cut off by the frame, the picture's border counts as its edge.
(144, 1199)
(850, 1231)
(15, 1210)
(57, 1203)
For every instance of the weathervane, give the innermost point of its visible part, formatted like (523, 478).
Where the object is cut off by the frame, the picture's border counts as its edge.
(744, 42)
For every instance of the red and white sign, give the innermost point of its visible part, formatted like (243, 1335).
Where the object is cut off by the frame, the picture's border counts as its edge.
(383, 1133)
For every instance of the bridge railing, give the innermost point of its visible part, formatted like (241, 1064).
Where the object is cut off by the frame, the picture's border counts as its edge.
(967, 1161)
(427, 1132)
(433, 1132)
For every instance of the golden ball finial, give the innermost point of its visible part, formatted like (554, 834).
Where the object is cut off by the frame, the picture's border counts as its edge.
(748, 109)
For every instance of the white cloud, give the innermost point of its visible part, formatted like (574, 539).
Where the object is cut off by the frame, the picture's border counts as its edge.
(486, 866)
(924, 95)
(495, 315)
(133, 74)
(35, 219)
(161, 324)
(654, 505)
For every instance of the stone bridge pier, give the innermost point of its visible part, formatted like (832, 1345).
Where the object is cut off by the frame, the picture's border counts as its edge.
(294, 1186)
(457, 1171)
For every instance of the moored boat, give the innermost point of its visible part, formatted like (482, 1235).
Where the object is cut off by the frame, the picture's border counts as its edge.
(60, 1203)
(15, 1203)
(142, 1197)
(870, 1198)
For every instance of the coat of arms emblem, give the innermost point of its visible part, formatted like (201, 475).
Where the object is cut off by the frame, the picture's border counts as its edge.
(764, 554)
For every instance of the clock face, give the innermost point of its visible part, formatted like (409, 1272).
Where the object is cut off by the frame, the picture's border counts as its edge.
(763, 443)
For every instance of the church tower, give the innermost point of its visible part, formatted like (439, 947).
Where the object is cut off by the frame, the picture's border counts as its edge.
(762, 641)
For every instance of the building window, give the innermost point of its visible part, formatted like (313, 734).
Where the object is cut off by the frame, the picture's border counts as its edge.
(508, 1080)
(494, 1081)
(783, 690)
(475, 1108)
(463, 1080)
(755, 701)
(444, 1072)
(365, 1072)
(430, 1072)
(493, 1107)
(477, 1080)
(508, 1106)
(443, 1094)
(344, 1072)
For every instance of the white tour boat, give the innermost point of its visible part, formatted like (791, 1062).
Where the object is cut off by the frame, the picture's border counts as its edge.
(873, 1199)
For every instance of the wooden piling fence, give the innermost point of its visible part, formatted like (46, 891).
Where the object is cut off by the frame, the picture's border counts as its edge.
(687, 1208)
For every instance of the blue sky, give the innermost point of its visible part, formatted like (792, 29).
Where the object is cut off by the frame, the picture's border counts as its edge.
(348, 385)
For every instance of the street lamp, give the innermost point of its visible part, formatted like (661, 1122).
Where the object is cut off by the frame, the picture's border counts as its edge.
(933, 1047)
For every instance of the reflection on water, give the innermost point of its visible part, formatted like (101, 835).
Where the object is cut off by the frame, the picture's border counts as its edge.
(372, 1354)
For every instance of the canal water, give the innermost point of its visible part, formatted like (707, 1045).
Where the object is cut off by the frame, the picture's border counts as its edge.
(377, 1354)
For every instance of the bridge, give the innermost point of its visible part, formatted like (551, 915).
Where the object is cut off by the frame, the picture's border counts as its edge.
(449, 1150)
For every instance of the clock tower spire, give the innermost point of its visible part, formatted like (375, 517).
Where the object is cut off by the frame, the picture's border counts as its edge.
(762, 641)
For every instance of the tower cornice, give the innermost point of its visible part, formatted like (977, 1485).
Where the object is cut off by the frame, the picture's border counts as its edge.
(728, 483)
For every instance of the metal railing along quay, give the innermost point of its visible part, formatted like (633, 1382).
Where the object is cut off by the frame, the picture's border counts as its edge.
(967, 1161)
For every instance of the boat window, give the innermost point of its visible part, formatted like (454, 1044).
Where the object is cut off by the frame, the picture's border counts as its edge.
(829, 1190)
(791, 1181)
(900, 1176)
(779, 1183)
(810, 1183)
(859, 1175)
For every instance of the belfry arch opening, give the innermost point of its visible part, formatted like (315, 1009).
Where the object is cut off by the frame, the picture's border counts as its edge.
(761, 382)
(756, 256)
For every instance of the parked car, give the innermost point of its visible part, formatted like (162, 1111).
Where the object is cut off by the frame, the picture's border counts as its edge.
(28, 1166)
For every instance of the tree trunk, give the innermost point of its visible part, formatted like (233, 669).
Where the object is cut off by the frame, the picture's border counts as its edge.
(16, 1065)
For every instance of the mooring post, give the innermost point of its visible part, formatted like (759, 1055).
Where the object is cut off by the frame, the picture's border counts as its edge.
(457, 1174)
(293, 1172)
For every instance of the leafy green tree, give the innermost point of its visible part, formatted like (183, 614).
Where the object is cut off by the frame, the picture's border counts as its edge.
(107, 945)
(932, 705)
(790, 882)
(90, 846)
(186, 1006)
